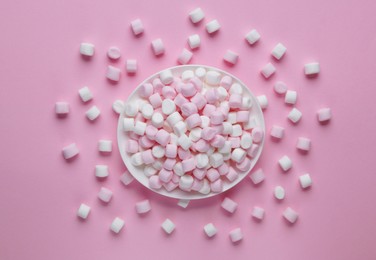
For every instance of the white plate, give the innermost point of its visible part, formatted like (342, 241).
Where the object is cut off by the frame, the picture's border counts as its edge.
(137, 172)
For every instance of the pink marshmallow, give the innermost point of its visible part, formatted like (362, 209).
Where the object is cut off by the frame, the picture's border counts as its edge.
(171, 151)
(232, 174)
(155, 100)
(229, 205)
(199, 173)
(189, 164)
(146, 90)
(131, 146)
(165, 175)
(197, 83)
(257, 176)
(257, 134)
(151, 131)
(218, 141)
(158, 85)
(70, 151)
(253, 151)
(145, 142)
(208, 133)
(216, 186)
(245, 165)
(235, 142)
(175, 178)
(226, 82)
(170, 186)
(168, 92)
(193, 121)
(188, 109)
(199, 100)
(162, 137)
(197, 185)
(180, 100)
(155, 182)
(217, 117)
(147, 157)
(188, 90)
(184, 154)
(185, 56)
(211, 95)
(235, 101)
(242, 116)
(223, 169)
(201, 146)
(290, 215)
(212, 175)
(169, 164)
(218, 129)
(208, 110)
(113, 73)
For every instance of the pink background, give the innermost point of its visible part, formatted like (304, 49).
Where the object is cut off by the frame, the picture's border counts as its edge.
(40, 192)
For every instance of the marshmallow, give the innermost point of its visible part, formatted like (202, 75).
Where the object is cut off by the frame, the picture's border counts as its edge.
(226, 148)
(126, 178)
(205, 121)
(252, 37)
(85, 94)
(61, 108)
(185, 56)
(162, 137)
(263, 101)
(278, 51)
(151, 132)
(185, 182)
(246, 141)
(146, 90)
(222, 95)
(213, 77)
(212, 26)
(171, 151)
(174, 118)
(312, 68)
(143, 207)
(253, 151)
(105, 146)
(70, 151)
(216, 186)
(229, 205)
(305, 180)
(235, 142)
(118, 106)
(87, 49)
(257, 176)
(139, 128)
(116, 225)
(290, 215)
(131, 146)
(200, 72)
(202, 160)
(158, 48)
(158, 165)
(290, 97)
(154, 182)
(128, 124)
(131, 109)
(216, 118)
(279, 193)
(188, 109)
(150, 171)
(165, 175)
(195, 134)
(252, 123)
(113, 73)
(285, 163)
(232, 174)
(93, 113)
(147, 111)
(184, 154)
(280, 87)
(188, 90)
(303, 144)
(324, 114)
(193, 121)
(210, 230)
(184, 142)
(157, 120)
(218, 141)
(295, 115)
(277, 132)
(147, 157)
(268, 70)
(83, 211)
(242, 116)
(168, 226)
(113, 53)
(187, 75)
(227, 128)
(205, 188)
(105, 195)
(183, 203)
(136, 159)
(236, 130)
(194, 41)
(231, 57)
(244, 166)
(180, 128)
(212, 175)
(236, 88)
(137, 27)
(238, 155)
(236, 235)
(226, 82)
(131, 66)
(166, 76)
(196, 15)
(101, 171)
(258, 213)
(178, 169)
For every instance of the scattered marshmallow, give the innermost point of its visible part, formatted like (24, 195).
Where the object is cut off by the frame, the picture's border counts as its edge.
(303, 144)
(285, 163)
(185, 56)
(324, 114)
(194, 41)
(93, 113)
(279, 193)
(311, 69)
(280, 87)
(268, 70)
(131, 109)
(168, 226)
(295, 115)
(231, 57)
(290, 97)
(70, 151)
(85, 94)
(278, 51)
(105, 146)
(116, 225)
(236, 235)
(83, 211)
(61, 108)
(137, 27)
(166, 76)
(183, 203)
(252, 37)
(290, 215)
(114, 53)
(196, 15)
(87, 49)
(118, 106)
(131, 66)
(257, 176)
(210, 230)
(277, 132)
(113, 73)
(126, 178)
(158, 47)
(258, 213)
(229, 205)
(212, 26)
(305, 180)
(263, 101)
(101, 171)
(105, 195)
(143, 207)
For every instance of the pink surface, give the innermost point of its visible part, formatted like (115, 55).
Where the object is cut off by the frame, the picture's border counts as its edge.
(40, 192)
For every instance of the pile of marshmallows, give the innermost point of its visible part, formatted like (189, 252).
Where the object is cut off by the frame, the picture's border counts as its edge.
(192, 131)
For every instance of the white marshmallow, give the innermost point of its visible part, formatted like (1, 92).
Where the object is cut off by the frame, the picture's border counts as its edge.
(139, 128)
(278, 51)
(277, 132)
(252, 123)
(227, 128)
(184, 142)
(252, 37)
(136, 159)
(168, 107)
(168, 226)
(305, 180)
(303, 144)
(290, 97)
(238, 155)
(257, 176)
(210, 230)
(187, 75)
(285, 163)
(61, 108)
(236, 130)
(101, 171)
(166, 76)
(105, 195)
(236, 235)
(312, 68)
(231, 57)
(180, 128)
(158, 165)
(222, 94)
(157, 120)
(117, 224)
(185, 56)
(268, 70)
(213, 77)
(150, 171)
(158, 48)
(200, 72)
(290, 215)
(85, 94)
(216, 160)
(114, 53)
(83, 211)
(143, 207)
(105, 146)
(246, 141)
(128, 124)
(205, 188)
(118, 106)
(280, 87)
(87, 49)
(258, 213)
(202, 160)
(229, 205)
(131, 109)
(246, 103)
(295, 115)
(70, 151)
(205, 121)
(113, 73)
(196, 15)
(186, 182)
(178, 169)
(263, 101)
(158, 151)
(137, 27)
(212, 26)
(174, 139)
(147, 111)
(126, 178)
(195, 134)
(236, 88)
(131, 66)
(226, 149)
(174, 118)
(194, 41)
(93, 113)
(183, 203)
(279, 193)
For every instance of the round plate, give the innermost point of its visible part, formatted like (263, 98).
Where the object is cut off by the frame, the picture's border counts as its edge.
(138, 173)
